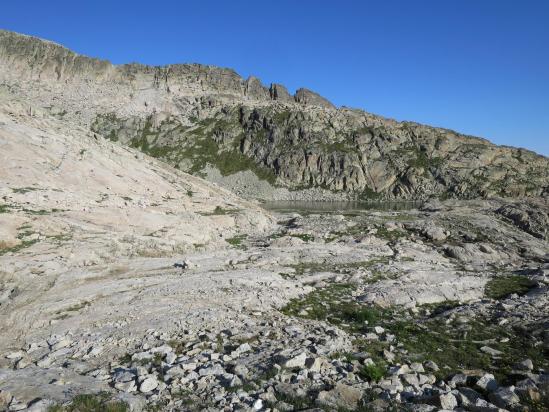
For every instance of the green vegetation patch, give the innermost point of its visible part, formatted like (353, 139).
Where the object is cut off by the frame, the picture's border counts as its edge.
(24, 190)
(333, 304)
(236, 241)
(343, 268)
(101, 402)
(373, 372)
(503, 286)
(22, 245)
(432, 333)
(5, 208)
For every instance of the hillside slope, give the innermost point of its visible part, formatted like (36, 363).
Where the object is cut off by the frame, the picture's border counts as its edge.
(209, 121)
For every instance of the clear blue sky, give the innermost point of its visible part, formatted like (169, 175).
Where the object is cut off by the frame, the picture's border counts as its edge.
(477, 66)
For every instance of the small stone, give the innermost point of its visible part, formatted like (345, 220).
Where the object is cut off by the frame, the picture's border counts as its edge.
(148, 385)
(487, 382)
(525, 365)
(123, 376)
(491, 351)
(528, 389)
(389, 356)
(443, 401)
(313, 364)
(459, 379)
(432, 366)
(399, 370)
(342, 396)
(211, 370)
(170, 358)
(258, 405)
(468, 396)
(296, 362)
(62, 343)
(417, 367)
(126, 386)
(448, 401)
(15, 355)
(411, 379)
(241, 370)
(245, 347)
(505, 397)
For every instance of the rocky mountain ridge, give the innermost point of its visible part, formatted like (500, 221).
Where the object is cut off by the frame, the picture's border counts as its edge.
(200, 118)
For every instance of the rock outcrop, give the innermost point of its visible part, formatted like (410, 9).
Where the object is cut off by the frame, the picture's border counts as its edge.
(197, 116)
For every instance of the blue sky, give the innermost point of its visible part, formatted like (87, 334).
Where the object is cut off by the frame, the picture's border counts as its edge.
(480, 67)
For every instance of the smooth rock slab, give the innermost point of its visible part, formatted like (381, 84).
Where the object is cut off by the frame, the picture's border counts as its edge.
(31, 383)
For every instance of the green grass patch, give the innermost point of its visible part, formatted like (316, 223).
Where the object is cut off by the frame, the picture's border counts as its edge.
(390, 235)
(92, 403)
(334, 304)
(503, 286)
(236, 241)
(315, 267)
(24, 190)
(373, 372)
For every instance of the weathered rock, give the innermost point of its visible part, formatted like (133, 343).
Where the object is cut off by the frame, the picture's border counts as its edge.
(342, 396)
(487, 382)
(5, 399)
(525, 365)
(504, 397)
(149, 384)
(297, 361)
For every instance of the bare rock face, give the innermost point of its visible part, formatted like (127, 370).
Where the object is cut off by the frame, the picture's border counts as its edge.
(529, 217)
(280, 93)
(195, 116)
(308, 97)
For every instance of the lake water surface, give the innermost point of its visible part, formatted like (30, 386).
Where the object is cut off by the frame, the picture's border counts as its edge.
(292, 206)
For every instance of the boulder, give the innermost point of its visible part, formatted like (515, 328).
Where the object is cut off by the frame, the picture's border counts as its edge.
(341, 396)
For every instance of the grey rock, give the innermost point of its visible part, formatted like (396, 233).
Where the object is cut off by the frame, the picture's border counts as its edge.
(342, 396)
(487, 382)
(525, 365)
(467, 396)
(297, 361)
(216, 369)
(308, 97)
(504, 397)
(5, 399)
(149, 384)
(491, 351)
(280, 93)
(432, 366)
(458, 379)
(124, 375)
